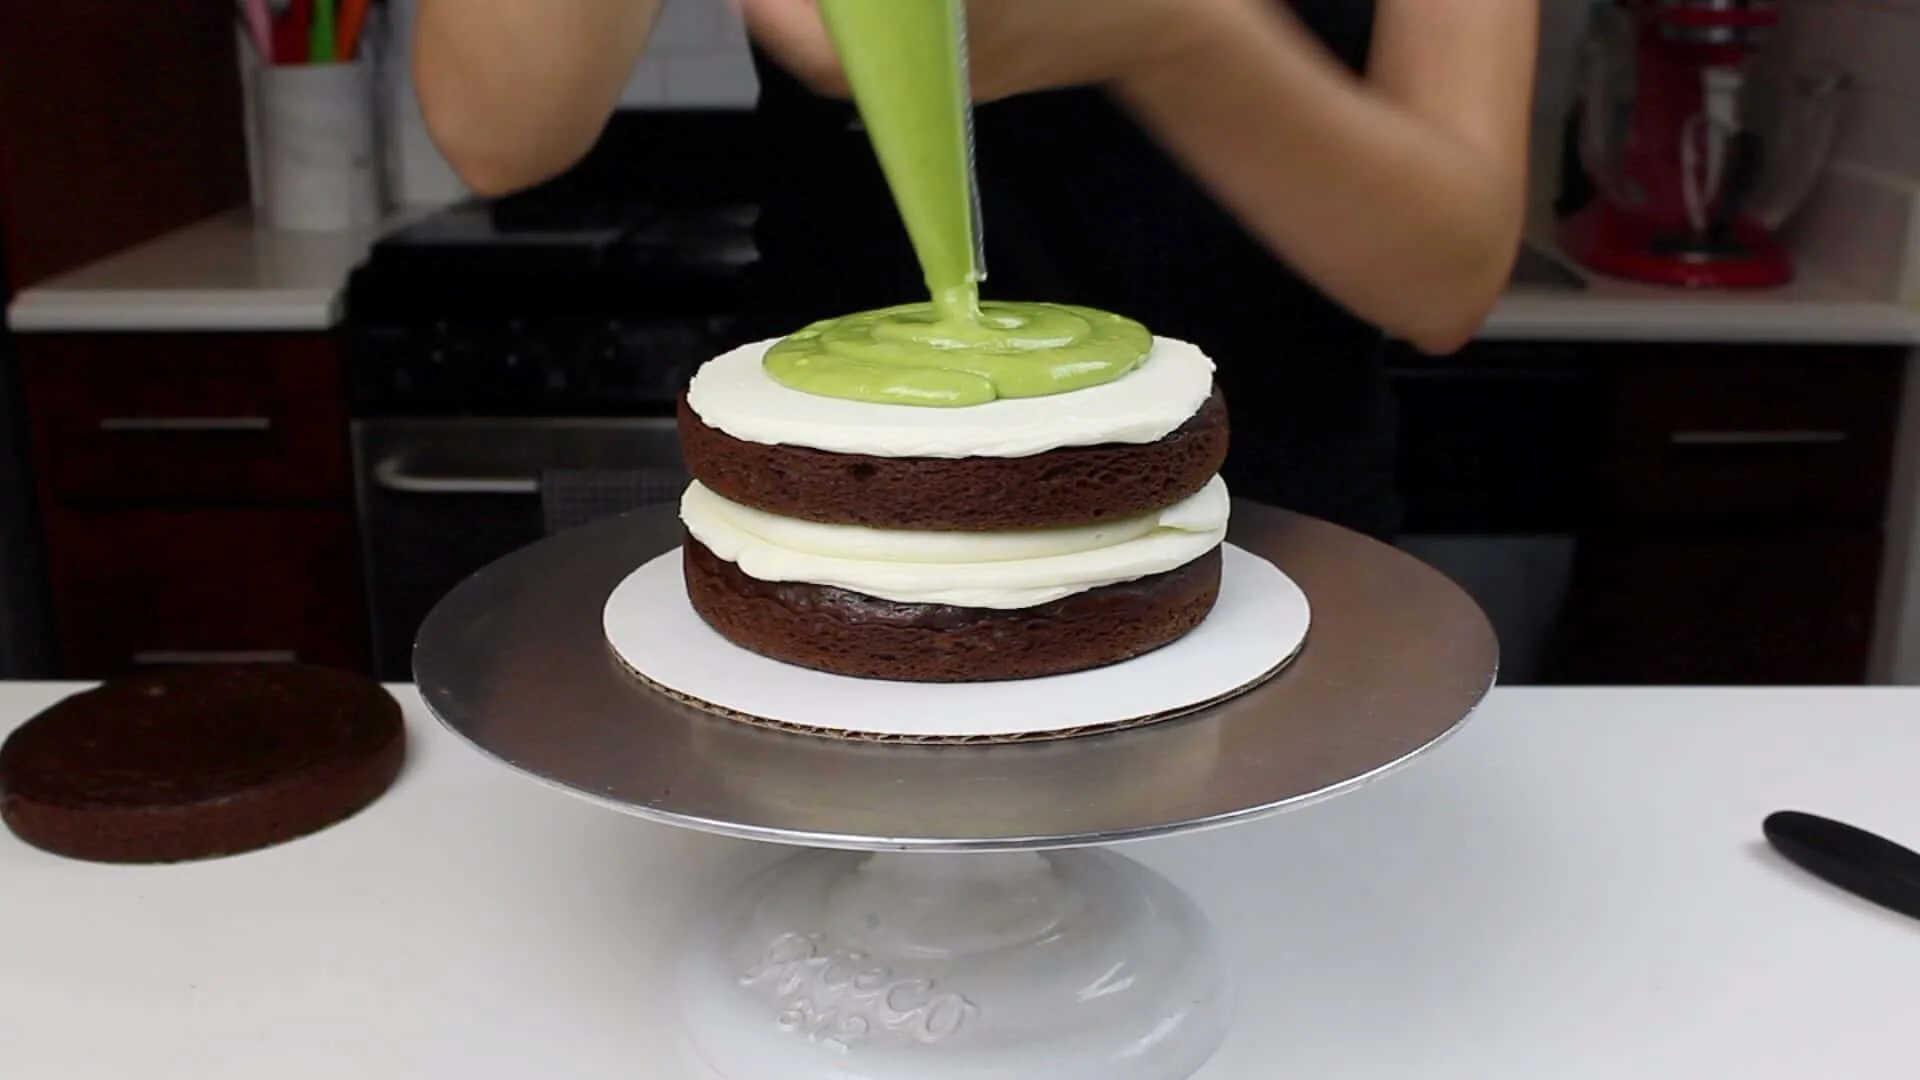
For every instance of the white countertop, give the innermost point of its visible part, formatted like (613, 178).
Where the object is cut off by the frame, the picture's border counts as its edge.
(224, 274)
(1813, 310)
(1574, 888)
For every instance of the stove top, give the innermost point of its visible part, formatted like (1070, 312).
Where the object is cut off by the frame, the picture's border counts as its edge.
(480, 259)
(541, 309)
(595, 294)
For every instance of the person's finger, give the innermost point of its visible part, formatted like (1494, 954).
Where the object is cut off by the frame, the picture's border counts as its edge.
(793, 33)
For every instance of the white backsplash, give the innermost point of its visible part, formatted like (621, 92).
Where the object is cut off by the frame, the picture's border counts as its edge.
(697, 58)
(1561, 23)
(417, 174)
(1863, 224)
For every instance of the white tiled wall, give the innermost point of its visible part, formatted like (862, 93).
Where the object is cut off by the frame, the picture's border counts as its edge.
(697, 58)
(1878, 41)
(418, 174)
(1561, 23)
(1864, 222)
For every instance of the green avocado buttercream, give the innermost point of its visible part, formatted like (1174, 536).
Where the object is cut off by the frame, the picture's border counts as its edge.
(911, 356)
(905, 60)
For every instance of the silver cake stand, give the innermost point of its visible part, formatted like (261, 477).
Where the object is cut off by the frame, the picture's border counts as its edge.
(952, 915)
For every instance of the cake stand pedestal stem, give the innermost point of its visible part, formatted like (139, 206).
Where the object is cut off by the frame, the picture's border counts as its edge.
(1071, 965)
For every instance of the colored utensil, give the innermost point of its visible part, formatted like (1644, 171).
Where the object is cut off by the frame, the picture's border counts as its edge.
(353, 24)
(259, 27)
(322, 49)
(292, 33)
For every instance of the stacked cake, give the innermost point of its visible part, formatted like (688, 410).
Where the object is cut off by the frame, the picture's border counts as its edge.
(1015, 539)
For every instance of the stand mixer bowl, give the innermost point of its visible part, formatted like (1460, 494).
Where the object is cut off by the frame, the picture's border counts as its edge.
(1693, 151)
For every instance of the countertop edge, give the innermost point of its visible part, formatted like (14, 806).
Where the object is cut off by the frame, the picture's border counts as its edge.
(1571, 317)
(1599, 319)
(135, 311)
(226, 274)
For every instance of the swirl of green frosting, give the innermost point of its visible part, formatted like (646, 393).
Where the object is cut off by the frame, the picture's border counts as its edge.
(915, 355)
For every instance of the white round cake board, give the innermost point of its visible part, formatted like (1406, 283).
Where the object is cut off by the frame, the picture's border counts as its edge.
(1259, 623)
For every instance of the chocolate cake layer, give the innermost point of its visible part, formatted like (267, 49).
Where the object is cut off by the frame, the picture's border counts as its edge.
(1066, 487)
(848, 633)
(197, 763)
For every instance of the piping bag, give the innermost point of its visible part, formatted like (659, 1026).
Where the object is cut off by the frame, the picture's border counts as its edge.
(906, 61)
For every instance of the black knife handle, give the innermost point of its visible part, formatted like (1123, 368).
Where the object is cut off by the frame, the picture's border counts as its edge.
(1868, 866)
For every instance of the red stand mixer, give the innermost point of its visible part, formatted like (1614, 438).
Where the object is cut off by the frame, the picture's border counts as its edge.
(1668, 140)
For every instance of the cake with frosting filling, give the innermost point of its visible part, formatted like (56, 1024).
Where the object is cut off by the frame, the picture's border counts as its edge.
(1011, 539)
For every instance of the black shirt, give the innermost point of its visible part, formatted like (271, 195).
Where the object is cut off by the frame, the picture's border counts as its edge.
(1081, 206)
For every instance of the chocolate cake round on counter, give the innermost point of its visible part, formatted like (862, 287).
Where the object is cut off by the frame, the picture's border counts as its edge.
(1016, 539)
(195, 763)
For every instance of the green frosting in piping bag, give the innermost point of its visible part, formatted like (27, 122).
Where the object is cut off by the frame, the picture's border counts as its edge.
(906, 62)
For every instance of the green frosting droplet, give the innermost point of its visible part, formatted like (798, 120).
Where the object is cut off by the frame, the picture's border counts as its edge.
(912, 355)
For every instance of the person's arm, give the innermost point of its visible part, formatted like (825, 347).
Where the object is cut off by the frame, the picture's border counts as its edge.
(1402, 195)
(516, 91)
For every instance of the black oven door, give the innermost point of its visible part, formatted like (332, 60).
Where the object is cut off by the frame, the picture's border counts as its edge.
(1493, 470)
(441, 499)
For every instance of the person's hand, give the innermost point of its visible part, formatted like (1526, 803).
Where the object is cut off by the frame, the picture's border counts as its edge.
(1015, 46)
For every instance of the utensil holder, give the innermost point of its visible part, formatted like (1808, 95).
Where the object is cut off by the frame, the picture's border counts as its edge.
(318, 147)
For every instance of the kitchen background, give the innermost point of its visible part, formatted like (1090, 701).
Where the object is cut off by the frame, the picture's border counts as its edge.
(224, 440)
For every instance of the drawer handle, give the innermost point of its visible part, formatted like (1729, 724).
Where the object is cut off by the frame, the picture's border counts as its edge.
(162, 657)
(181, 424)
(1758, 438)
(391, 474)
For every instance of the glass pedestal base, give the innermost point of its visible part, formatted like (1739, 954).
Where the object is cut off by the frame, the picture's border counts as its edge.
(1073, 965)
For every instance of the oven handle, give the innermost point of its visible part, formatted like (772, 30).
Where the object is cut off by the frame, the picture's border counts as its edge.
(1794, 437)
(146, 425)
(391, 473)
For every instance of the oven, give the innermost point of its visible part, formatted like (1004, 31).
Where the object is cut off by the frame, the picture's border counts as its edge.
(1493, 451)
(513, 367)
(439, 499)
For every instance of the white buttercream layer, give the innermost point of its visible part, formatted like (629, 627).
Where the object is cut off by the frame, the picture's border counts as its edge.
(733, 393)
(1005, 571)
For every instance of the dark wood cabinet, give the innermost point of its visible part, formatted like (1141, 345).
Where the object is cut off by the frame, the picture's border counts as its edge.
(1735, 532)
(1707, 608)
(122, 121)
(202, 584)
(189, 416)
(119, 122)
(196, 499)
(1744, 434)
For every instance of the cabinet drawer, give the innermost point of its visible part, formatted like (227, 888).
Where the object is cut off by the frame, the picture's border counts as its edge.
(146, 587)
(1705, 433)
(148, 416)
(1748, 607)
